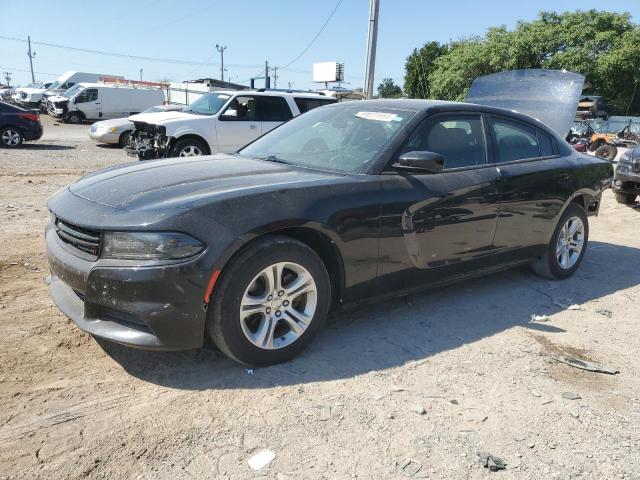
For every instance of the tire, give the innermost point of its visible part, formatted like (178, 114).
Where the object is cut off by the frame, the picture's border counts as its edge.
(231, 332)
(625, 198)
(11, 137)
(607, 152)
(548, 265)
(124, 138)
(189, 147)
(595, 145)
(75, 117)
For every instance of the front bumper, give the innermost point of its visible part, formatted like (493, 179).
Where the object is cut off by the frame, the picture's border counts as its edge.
(104, 137)
(149, 307)
(627, 182)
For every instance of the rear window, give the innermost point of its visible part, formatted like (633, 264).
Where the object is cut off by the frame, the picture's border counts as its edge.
(306, 104)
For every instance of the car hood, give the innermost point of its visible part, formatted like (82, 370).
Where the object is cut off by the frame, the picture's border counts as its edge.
(180, 182)
(550, 96)
(161, 118)
(57, 98)
(116, 122)
(30, 91)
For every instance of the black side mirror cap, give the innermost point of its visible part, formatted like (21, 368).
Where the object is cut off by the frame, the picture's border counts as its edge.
(420, 161)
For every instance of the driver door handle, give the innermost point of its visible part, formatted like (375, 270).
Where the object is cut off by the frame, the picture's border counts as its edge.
(253, 127)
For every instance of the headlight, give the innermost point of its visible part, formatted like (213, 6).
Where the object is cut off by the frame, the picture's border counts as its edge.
(625, 157)
(149, 245)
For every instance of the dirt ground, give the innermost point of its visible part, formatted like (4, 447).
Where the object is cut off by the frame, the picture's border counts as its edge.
(412, 388)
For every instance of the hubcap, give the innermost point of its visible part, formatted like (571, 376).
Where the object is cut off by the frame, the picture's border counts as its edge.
(570, 243)
(278, 305)
(190, 151)
(10, 138)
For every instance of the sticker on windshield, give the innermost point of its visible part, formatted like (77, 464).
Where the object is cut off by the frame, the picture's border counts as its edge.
(379, 116)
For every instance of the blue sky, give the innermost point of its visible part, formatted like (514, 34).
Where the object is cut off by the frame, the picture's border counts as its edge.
(254, 31)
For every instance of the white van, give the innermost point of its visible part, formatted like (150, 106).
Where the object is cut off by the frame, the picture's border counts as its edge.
(68, 80)
(97, 101)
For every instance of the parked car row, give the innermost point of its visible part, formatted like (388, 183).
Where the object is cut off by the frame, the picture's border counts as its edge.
(18, 125)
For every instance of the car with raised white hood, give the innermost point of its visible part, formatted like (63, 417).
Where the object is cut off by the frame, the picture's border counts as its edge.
(117, 130)
(218, 122)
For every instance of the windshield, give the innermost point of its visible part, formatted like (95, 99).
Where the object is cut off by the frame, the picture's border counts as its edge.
(71, 91)
(208, 104)
(345, 138)
(54, 85)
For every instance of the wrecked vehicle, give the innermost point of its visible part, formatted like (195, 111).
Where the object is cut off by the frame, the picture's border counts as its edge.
(626, 182)
(218, 122)
(347, 203)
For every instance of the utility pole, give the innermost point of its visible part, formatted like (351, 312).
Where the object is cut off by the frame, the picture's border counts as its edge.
(371, 49)
(267, 80)
(7, 77)
(290, 84)
(221, 49)
(275, 77)
(31, 55)
(141, 70)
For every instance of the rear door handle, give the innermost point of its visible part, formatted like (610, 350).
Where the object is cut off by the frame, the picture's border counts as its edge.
(253, 127)
(564, 178)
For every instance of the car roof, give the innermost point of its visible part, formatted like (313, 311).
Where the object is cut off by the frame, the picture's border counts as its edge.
(275, 92)
(434, 106)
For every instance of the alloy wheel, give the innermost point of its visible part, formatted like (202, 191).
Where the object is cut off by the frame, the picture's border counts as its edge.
(10, 138)
(190, 151)
(570, 243)
(278, 305)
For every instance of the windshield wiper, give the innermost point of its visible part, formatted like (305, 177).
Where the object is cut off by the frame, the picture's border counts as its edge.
(276, 159)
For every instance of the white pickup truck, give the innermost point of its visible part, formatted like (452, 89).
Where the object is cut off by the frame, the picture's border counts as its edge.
(218, 122)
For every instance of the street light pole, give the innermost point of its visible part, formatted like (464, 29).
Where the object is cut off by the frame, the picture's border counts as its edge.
(371, 49)
(141, 70)
(221, 49)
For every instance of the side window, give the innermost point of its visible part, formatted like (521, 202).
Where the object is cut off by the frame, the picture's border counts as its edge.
(306, 104)
(241, 108)
(515, 141)
(546, 144)
(89, 95)
(273, 109)
(459, 139)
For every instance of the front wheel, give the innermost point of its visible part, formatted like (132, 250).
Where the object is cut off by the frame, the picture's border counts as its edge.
(271, 301)
(188, 148)
(567, 246)
(625, 198)
(75, 117)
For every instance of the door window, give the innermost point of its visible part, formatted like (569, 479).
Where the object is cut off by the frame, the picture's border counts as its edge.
(515, 141)
(241, 108)
(273, 109)
(546, 145)
(89, 95)
(459, 139)
(306, 104)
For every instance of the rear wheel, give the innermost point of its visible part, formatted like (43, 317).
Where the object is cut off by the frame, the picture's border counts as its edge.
(625, 198)
(11, 137)
(567, 247)
(273, 298)
(189, 147)
(607, 152)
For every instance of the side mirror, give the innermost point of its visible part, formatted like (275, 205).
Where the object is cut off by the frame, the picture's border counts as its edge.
(421, 161)
(230, 113)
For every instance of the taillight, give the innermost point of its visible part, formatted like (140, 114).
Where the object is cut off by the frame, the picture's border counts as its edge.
(34, 117)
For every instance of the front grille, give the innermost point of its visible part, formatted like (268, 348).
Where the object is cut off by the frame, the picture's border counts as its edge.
(83, 239)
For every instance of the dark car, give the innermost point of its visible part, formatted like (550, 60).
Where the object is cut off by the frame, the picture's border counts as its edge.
(626, 182)
(346, 203)
(18, 125)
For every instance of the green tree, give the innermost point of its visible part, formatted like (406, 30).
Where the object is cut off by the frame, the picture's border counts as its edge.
(603, 46)
(388, 89)
(419, 66)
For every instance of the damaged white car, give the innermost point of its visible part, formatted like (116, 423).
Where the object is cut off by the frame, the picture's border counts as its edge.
(218, 122)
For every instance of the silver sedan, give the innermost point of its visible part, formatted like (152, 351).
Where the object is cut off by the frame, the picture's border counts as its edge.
(117, 131)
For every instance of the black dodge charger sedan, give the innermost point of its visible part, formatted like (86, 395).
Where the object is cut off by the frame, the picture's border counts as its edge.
(348, 202)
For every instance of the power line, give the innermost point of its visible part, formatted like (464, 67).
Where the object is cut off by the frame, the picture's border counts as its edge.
(314, 38)
(124, 55)
(27, 71)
